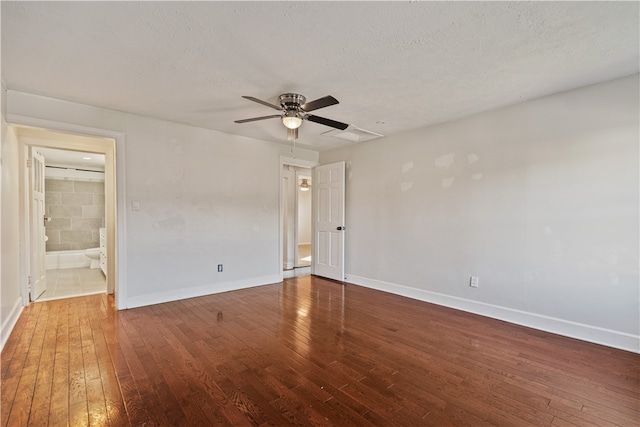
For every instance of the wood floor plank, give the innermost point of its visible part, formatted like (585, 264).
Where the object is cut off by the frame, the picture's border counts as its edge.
(303, 352)
(59, 404)
(172, 367)
(21, 406)
(17, 345)
(39, 413)
(8, 395)
(138, 392)
(114, 406)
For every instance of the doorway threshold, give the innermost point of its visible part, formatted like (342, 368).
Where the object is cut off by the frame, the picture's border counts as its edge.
(295, 272)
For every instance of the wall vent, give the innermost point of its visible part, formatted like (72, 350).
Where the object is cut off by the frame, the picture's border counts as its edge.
(353, 134)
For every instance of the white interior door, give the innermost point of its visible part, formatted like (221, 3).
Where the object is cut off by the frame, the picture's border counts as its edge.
(38, 272)
(328, 221)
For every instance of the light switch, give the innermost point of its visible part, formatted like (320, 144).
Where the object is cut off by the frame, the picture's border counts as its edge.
(135, 205)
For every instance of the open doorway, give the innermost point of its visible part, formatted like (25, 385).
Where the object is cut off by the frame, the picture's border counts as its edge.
(75, 224)
(296, 211)
(303, 224)
(79, 215)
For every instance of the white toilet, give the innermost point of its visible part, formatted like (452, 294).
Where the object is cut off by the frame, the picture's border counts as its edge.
(94, 255)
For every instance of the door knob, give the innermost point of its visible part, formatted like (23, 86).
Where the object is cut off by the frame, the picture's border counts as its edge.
(46, 220)
(341, 228)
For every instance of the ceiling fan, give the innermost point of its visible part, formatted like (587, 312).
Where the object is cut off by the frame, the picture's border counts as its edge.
(294, 109)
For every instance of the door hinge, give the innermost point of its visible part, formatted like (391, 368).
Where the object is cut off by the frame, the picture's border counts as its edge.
(29, 284)
(29, 163)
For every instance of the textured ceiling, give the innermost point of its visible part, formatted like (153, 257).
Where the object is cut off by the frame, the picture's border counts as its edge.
(393, 66)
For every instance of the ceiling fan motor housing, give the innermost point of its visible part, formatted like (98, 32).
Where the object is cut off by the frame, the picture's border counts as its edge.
(292, 101)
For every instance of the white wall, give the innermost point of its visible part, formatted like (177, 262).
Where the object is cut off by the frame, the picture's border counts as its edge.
(206, 198)
(540, 200)
(10, 297)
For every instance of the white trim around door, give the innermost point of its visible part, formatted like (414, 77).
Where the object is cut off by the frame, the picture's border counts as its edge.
(104, 142)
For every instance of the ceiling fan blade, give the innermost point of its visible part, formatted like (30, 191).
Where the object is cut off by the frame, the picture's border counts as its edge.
(257, 118)
(327, 122)
(319, 103)
(292, 134)
(259, 101)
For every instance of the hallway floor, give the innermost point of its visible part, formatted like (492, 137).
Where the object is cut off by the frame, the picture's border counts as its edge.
(304, 255)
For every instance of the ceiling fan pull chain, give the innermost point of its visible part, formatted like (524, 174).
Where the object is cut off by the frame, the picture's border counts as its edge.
(293, 148)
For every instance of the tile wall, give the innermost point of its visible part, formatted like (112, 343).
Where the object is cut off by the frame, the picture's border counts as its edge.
(76, 209)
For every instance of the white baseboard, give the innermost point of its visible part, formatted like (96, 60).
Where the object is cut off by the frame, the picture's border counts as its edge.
(10, 322)
(607, 337)
(214, 288)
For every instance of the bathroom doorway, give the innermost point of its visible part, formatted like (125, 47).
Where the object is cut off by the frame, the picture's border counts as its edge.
(79, 213)
(75, 223)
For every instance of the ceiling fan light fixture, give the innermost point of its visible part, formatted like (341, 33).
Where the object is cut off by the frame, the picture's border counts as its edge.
(291, 120)
(304, 186)
(294, 109)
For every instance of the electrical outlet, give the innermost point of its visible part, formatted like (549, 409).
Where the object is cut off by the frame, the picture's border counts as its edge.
(473, 282)
(219, 268)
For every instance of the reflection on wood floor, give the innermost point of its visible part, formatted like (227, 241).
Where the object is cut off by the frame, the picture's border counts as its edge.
(306, 351)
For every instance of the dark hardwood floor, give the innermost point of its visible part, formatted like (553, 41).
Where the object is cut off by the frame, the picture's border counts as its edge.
(304, 352)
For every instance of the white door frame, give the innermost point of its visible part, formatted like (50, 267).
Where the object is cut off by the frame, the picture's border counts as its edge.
(114, 195)
(284, 160)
